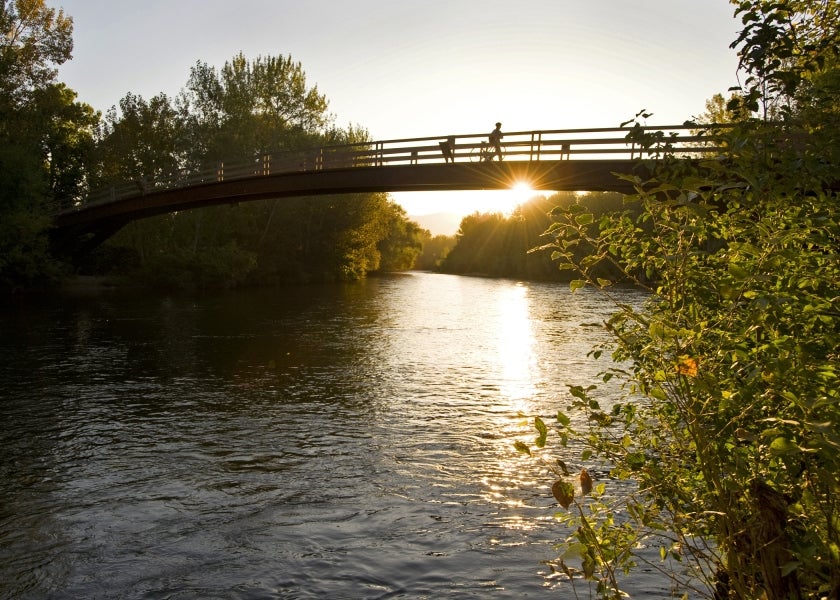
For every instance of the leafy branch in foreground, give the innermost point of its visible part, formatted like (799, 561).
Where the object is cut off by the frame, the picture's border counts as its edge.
(731, 424)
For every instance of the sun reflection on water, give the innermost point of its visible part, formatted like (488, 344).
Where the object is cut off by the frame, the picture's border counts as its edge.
(513, 481)
(517, 361)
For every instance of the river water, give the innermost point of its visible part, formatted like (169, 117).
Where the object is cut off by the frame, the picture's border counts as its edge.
(336, 441)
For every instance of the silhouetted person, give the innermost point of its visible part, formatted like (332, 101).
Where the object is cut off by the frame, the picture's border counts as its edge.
(448, 149)
(496, 140)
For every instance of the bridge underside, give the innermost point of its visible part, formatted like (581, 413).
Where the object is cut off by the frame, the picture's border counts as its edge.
(96, 222)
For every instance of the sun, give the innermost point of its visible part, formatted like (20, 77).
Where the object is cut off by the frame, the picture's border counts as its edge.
(467, 202)
(519, 193)
(522, 189)
(506, 201)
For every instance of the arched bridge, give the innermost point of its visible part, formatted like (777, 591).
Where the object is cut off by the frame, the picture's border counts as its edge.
(570, 159)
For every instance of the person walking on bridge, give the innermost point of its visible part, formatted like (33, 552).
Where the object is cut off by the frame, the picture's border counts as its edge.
(496, 140)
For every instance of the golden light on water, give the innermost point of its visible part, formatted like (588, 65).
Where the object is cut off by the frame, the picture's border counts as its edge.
(517, 360)
(511, 485)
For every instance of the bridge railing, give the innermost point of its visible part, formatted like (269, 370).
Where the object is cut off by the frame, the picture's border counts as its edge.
(559, 144)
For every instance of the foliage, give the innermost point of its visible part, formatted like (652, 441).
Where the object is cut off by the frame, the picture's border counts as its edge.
(250, 108)
(45, 138)
(402, 243)
(731, 423)
(320, 238)
(142, 142)
(721, 110)
(35, 39)
(245, 111)
(495, 245)
(434, 251)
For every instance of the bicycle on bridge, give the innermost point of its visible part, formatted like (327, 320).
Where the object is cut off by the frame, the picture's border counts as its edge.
(483, 153)
(486, 151)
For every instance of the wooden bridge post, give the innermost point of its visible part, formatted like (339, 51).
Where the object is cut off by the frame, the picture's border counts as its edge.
(266, 160)
(566, 150)
(536, 142)
(220, 171)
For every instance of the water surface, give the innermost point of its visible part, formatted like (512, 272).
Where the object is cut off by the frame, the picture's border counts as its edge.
(339, 441)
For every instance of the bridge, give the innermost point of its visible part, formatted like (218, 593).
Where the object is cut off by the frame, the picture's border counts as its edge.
(556, 160)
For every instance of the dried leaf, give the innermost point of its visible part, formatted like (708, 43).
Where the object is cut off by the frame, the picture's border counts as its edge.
(585, 482)
(687, 366)
(563, 492)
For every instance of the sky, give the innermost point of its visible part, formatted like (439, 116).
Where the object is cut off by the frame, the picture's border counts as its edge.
(418, 68)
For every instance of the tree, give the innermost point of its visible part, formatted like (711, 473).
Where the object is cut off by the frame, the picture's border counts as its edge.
(731, 425)
(478, 244)
(721, 110)
(144, 142)
(245, 112)
(493, 244)
(35, 40)
(250, 108)
(66, 132)
(434, 252)
(45, 138)
(402, 243)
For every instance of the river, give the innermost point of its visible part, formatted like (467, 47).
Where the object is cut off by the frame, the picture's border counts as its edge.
(329, 441)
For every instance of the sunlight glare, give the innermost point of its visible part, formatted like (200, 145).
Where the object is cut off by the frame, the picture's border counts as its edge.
(516, 353)
(520, 193)
(507, 201)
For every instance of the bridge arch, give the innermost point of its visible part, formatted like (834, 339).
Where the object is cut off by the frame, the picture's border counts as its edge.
(558, 160)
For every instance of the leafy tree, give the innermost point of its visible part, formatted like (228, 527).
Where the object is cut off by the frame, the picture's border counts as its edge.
(731, 425)
(492, 244)
(66, 131)
(143, 142)
(721, 110)
(478, 244)
(243, 112)
(250, 108)
(403, 240)
(434, 252)
(45, 138)
(35, 40)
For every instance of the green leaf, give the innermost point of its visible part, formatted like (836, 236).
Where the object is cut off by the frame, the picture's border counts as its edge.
(739, 272)
(563, 419)
(635, 460)
(790, 567)
(543, 430)
(522, 447)
(576, 284)
(782, 446)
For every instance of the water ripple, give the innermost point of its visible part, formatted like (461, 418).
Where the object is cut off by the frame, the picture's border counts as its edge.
(348, 441)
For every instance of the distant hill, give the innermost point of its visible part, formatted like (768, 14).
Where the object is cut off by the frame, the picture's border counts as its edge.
(439, 223)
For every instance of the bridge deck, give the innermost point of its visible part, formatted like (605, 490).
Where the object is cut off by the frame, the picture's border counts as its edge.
(573, 160)
(590, 175)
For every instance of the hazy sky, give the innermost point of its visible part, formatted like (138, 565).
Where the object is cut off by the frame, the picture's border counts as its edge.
(416, 68)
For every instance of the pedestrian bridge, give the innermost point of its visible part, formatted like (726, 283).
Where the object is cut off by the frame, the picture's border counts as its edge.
(556, 160)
